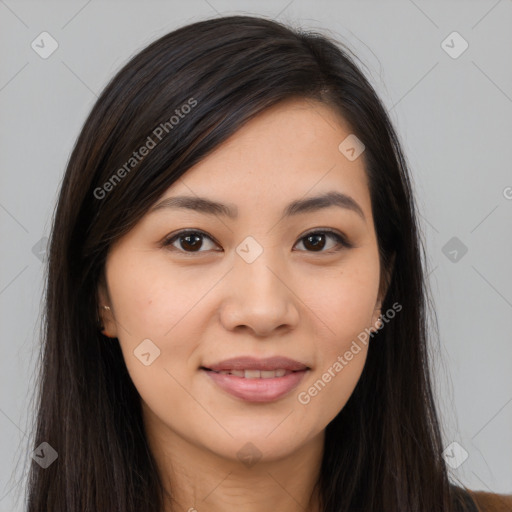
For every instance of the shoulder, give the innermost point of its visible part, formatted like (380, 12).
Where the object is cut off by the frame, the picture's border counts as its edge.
(491, 502)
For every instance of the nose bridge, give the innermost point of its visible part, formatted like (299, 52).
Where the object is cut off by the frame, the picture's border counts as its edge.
(258, 295)
(255, 273)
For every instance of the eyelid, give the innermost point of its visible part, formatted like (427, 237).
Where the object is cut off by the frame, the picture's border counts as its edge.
(340, 237)
(169, 239)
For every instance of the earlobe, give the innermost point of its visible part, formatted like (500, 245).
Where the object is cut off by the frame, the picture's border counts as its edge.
(377, 322)
(101, 324)
(105, 319)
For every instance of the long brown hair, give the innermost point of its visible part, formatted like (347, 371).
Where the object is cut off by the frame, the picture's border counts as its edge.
(383, 450)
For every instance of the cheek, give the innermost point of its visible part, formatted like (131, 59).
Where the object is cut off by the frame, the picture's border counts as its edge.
(152, 303)
(343, 302)
(344, 299)
(151, 299)
(328, 392)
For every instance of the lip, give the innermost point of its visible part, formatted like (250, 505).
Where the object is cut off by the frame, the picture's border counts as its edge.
(258, 389)
(253, 363)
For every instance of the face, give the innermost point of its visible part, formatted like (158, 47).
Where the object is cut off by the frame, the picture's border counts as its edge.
(261, 282)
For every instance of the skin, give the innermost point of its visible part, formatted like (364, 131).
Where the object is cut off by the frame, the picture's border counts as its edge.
(208, 305)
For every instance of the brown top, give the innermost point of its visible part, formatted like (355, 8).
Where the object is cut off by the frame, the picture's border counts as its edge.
(491, 502)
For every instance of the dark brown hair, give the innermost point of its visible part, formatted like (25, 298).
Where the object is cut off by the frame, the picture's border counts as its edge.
(383, 450)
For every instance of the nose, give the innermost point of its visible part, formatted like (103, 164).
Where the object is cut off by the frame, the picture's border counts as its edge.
(259, 298)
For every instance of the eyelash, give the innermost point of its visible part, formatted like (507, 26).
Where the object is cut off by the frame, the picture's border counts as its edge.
(339, 238)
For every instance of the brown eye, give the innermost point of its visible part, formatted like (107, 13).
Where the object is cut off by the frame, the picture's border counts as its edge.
(187, 241)
(191, 242)
(316, 241)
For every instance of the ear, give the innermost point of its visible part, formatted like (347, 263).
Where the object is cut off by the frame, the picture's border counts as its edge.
(108, 325)
(376, 324)
(385, 281)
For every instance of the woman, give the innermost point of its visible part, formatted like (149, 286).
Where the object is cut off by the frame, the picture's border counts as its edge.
(236, 305)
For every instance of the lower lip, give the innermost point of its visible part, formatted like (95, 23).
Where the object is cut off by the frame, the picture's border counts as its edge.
(257, 390)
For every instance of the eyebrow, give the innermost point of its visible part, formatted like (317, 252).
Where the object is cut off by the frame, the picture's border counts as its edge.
(310, 204)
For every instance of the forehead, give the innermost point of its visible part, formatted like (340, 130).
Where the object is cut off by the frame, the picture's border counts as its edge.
(286, 152)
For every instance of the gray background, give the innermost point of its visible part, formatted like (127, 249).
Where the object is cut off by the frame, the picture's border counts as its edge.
(454, 117)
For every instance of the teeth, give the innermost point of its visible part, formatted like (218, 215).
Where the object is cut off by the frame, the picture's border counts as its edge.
(256, 374)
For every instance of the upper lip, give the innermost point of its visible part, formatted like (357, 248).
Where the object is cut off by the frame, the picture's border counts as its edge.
(253, 363)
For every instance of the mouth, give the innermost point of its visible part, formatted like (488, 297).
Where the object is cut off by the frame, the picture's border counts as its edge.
(261, 381)
(254, 374)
